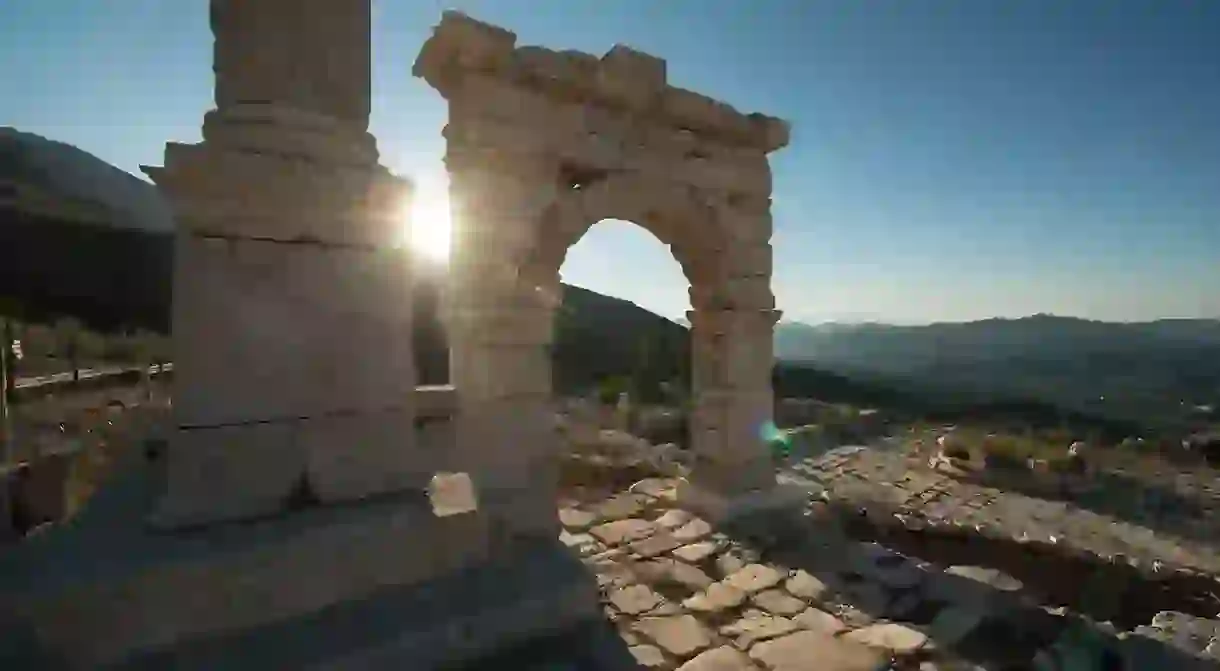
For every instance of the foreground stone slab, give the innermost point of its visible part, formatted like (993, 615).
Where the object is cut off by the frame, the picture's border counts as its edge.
(815, 651)
(339, 587)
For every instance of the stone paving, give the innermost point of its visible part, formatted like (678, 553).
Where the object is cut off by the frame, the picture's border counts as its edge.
(787, 593)
(887, 481)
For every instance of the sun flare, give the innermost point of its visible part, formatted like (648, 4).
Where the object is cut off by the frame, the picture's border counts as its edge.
(428, 223)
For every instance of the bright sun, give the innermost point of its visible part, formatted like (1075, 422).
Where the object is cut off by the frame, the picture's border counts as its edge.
(428, 223)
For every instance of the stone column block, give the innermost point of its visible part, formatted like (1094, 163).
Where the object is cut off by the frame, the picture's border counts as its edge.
(229, 473)
(497, 437)
(352, 456)
(227, 193)
(268, 330)
(314, 55)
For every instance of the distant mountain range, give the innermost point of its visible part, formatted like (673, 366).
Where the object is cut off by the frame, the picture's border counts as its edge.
(111, 266)
(72, 173)
(1160, 369)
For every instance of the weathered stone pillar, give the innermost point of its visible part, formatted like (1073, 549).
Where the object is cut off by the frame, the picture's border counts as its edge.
(733, 405)
(500, 325)
(291, 317)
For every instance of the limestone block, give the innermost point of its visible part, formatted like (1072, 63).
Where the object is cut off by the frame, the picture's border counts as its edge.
(286, 116)
(494, 97)
(500, 371)
(731, 174)
(435, 402)
(503, 136)
(630, 78)
(266, 330)
(750, 260)
(664, 138)
(228, 473)
(452, 494)
(462, 43)
(559, 73)
(770, 133)
(750, 293)
(504, 440)
(482, 198)
(688, 109)
(647, 202)
(242, 194)
(310, 54)
(748, 362)
(435, 440)
(516, 329)
(748, 413)
(747, 225)
(604, 140)
(351, 456)
(285, 141)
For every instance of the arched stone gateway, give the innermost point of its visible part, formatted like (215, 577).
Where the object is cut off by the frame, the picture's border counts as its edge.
(543, 144)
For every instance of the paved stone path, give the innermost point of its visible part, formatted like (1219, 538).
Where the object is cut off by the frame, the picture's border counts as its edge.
(683, 595)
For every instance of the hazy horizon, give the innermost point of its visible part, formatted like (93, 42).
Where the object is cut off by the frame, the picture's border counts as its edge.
(950, 162)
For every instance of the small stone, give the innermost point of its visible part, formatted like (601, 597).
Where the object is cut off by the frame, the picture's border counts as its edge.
(694, 530)
(575, 540)
(576, 520)
(623, 531)
(654, 487)
(820, 620)
(635, 599)
(807, 587)
(716, 598)
(695, 552)
(689, 576)
(778, 602)
(674, 518)
(724, 658)
(656, 544)
(730, 563)
(672, 572)
(667, 608)
(755, 578)
(896, 638)
(991, 577)
(649, 656)
(757, 627)
(815, 651)
(680, 635)
(618, 507)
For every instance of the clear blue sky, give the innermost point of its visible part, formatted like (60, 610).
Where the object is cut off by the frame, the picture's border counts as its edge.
(951, 160)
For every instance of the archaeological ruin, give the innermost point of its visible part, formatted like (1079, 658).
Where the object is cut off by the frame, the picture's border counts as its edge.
(543, 144)
(301, 495)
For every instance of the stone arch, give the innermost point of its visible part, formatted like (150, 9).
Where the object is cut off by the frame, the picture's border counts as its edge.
(540, 146)
(671, 214)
